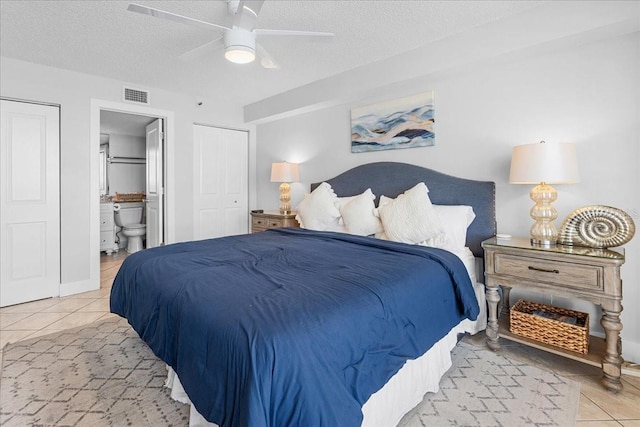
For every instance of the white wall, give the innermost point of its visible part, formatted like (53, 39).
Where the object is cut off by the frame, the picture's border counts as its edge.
(587, 94)
(74, 92)
(127, 177)
(127, 146)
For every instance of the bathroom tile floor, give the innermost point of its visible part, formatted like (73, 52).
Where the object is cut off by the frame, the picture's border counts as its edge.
(597, 406)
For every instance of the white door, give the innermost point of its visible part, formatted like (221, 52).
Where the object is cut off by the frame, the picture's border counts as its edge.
(29, 202)
(221, 191)
(155, 181)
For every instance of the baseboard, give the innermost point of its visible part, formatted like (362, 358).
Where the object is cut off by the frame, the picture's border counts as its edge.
(631, 351)
(80, 286)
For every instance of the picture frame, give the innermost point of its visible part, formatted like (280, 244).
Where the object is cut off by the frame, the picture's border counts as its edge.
(401, 123)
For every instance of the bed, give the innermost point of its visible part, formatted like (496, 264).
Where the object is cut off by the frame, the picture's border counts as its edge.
(304, 327)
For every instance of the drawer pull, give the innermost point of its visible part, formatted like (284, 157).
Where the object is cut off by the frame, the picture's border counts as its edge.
(544, 270)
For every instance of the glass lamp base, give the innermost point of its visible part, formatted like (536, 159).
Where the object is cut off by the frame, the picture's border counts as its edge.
(543, 231)
(285, 197)
(545, 243)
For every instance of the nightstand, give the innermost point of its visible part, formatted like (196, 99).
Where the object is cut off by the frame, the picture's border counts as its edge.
(569, 271)
(274, 219)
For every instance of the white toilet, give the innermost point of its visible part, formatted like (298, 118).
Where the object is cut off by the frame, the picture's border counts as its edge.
(130, 217)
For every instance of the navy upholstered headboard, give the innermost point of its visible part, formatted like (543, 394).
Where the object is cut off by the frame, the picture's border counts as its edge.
(391, 179)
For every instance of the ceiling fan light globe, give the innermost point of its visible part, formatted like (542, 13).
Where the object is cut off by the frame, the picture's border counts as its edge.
(239, 54)
(239, 46)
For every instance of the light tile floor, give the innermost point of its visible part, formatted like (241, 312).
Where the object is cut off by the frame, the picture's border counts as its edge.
(597, 406)
(33, 319)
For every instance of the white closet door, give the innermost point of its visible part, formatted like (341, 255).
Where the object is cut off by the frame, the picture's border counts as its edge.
(221, 192)
(29, 202)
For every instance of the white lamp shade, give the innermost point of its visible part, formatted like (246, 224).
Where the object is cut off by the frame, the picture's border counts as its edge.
(284, 172)
(551, 163)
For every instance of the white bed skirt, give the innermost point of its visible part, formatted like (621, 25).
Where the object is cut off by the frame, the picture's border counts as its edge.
(404, 391)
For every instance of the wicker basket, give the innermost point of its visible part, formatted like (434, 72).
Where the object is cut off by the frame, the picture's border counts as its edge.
(548, 330)
(128, 197)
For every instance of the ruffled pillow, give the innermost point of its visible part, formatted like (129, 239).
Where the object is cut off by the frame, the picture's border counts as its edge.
(317, 211)
(410, 217)
(358, 214)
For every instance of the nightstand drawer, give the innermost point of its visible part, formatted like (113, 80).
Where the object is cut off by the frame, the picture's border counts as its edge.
(261, 221)
(559, 273)
(264, 223)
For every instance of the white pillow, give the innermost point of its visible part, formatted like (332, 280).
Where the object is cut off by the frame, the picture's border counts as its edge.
(358, 215)
(455, 220)
(317, 210)
(340, 202)
(336, 227)
(410, 217)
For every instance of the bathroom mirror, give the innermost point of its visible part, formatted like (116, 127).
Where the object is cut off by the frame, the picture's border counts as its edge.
(104, 175)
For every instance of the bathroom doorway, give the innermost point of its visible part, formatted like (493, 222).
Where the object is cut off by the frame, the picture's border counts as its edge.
(131, 176)
(124, 123)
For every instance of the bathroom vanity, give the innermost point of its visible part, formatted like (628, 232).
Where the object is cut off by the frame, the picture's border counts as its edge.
(107, 228)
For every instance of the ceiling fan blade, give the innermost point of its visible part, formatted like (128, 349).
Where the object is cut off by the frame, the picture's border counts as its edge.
(157, 13)
(266, 60)
(254, 5)
(246, 14)
(318, 35)
(203, 50)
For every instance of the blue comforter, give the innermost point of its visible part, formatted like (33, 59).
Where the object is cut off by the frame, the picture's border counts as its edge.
(290, 327)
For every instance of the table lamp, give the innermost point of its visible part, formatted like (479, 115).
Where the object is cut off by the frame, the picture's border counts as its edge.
(543, 164)
(284, 173)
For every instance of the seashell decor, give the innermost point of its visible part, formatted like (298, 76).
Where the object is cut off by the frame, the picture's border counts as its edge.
(597, 226)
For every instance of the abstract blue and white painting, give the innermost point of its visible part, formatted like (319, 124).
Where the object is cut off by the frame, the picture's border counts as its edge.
(401, 123)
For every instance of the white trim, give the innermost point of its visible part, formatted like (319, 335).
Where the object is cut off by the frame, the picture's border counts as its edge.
(94, 207)
(631, 353)
(29, 101)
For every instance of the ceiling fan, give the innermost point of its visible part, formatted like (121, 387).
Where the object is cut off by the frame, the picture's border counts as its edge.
(239, 39)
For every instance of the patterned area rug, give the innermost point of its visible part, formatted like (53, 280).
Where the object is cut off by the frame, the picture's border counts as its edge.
(484, 389)
(96, 375)
(104, 375)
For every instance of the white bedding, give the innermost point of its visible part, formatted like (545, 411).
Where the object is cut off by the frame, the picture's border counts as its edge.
(407, 387)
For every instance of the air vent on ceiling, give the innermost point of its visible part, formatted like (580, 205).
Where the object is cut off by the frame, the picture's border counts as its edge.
(136, 95)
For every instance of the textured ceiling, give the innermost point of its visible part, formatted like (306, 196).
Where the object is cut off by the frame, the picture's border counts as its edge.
(103, 38)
